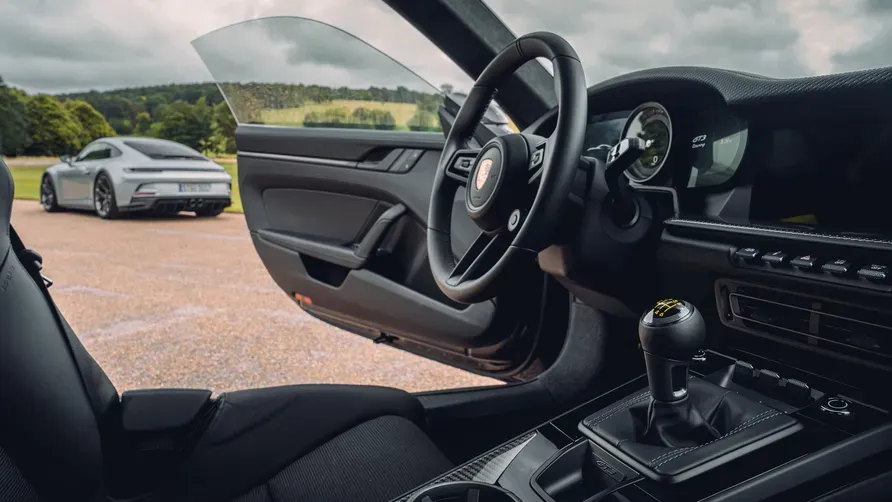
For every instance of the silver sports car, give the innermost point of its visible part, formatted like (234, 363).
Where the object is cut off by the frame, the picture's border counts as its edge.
(121, 174)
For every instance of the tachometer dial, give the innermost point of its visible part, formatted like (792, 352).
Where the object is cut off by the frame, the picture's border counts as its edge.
(651, 123)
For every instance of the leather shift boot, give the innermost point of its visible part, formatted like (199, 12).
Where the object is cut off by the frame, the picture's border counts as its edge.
(674, 441)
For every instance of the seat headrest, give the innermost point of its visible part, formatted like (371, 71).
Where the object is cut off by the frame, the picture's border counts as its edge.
(7, 189)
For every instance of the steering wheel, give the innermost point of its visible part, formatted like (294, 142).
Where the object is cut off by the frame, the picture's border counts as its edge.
(516, 185)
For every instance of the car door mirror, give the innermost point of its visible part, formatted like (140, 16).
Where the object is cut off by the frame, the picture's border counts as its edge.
(67, 159)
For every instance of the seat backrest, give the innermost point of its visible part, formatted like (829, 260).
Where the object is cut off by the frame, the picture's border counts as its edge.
(55, 400)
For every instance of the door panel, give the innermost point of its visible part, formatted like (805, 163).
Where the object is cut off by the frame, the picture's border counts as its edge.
(309, 215)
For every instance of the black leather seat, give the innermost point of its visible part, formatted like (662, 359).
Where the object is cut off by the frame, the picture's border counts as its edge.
(62, 438)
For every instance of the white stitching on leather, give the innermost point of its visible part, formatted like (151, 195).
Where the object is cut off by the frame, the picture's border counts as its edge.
(671, 452)
(732, 431)
(619, 408)
(741, 427)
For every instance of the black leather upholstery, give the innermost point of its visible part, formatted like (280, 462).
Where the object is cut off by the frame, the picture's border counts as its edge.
(674, 442)
(61, 433)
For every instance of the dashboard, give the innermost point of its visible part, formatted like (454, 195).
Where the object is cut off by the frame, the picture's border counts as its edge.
(779, 188)
(803, 165)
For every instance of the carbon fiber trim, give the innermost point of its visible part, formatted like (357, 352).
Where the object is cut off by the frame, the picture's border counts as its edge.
(486, 468)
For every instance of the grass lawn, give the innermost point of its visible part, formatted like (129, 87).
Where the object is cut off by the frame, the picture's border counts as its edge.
(401, 112)
(27, 180)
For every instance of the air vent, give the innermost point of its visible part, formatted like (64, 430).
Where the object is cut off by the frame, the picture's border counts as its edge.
(837, 328)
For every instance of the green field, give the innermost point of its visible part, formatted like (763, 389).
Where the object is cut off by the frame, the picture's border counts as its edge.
(27, 181)
(401, 112)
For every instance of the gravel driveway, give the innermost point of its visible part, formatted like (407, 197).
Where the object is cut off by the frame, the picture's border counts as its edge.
(184, 302)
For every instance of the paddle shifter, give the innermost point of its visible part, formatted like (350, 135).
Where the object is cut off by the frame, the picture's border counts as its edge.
(670, 334)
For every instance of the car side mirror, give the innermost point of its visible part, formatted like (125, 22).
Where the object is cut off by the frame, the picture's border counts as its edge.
(66, 159)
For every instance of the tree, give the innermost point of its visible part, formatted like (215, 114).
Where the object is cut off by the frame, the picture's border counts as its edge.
(52, 129)
(187, 124)
(142, 123)
(424, 120)
(92, 124)
(223, 128)
(14, 138)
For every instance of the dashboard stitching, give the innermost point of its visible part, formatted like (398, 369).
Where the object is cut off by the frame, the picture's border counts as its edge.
(740, 428)
(682, 221)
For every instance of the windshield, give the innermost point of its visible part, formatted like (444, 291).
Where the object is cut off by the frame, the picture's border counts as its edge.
(775, 38)
(163, 150)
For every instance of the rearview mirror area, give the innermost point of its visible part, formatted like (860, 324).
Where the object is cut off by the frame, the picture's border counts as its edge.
(66, 159)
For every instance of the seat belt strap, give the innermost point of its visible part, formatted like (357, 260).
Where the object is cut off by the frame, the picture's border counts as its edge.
(33, 262)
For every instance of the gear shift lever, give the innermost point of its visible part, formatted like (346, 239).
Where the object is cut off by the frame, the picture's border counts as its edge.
(670, 334)
(682, 423)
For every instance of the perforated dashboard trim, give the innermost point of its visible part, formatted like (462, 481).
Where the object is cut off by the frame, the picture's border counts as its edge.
(739, 88)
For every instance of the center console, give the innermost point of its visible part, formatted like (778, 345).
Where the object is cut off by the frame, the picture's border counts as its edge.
(699, 425)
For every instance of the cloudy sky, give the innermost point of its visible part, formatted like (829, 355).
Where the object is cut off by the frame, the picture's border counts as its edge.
(72, 45)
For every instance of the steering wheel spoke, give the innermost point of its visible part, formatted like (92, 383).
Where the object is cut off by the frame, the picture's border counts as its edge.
(461, 164)
(481, 256)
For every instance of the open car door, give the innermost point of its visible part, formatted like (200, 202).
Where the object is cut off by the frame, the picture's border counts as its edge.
(338, 146)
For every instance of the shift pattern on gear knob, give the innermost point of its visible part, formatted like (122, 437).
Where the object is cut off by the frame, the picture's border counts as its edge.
(670, 334)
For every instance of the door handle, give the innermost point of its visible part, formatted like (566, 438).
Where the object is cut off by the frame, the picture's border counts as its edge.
(372, 239)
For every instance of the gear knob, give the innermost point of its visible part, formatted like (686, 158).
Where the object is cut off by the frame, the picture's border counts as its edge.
(670, 334)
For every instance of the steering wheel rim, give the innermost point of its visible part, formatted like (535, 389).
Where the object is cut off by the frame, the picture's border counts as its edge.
(507, 240)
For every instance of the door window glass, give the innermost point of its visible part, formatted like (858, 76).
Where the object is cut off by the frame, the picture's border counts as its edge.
(97, 153)
(297, 72)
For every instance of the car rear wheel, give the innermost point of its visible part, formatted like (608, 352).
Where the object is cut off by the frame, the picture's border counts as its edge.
(48, 198)
(104, 202)
(208, 213)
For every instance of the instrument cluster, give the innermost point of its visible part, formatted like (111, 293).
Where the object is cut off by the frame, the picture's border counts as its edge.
(686, 149)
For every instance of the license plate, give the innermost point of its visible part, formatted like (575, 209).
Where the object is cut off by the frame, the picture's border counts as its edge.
(195, 187)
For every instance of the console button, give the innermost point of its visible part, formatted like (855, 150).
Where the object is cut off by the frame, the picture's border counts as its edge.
(846, 415)
(838, 267)
(874, 273)
(798, 391)
(743, 372)
(776, 258)
(769, 380)
(836, 406)
(747, 254)
(805, 262)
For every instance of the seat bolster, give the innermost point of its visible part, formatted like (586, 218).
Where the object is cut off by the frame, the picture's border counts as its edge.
(257, 433)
